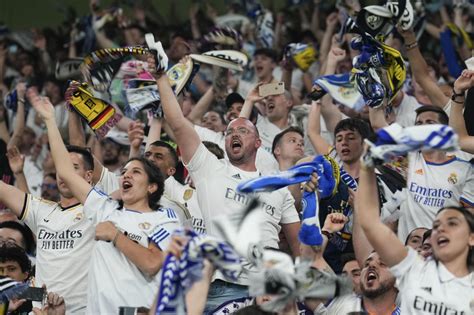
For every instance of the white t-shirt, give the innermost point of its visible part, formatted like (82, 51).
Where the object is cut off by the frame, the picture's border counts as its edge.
(216, 186)
(431, 186)
(65, 239)
(264, 160)
(114, 280)
(405, 112)
(187, 196)
(34, 174)
(427, 287)
(267, 131)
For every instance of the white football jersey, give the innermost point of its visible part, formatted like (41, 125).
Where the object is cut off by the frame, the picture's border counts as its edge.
(264, 161)
(216, 186)
(267, 131)
(427, 287)
(65, 240)
(114, 280)
(187, 196)
(405, 112)
(431, 186)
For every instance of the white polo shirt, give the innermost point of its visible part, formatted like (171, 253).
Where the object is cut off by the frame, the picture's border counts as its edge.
(427, 287)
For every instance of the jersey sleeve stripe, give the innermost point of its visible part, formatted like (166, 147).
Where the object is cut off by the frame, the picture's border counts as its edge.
(466, 201)
(24, 211)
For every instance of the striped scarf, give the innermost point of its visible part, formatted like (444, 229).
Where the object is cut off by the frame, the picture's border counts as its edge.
(179, 274)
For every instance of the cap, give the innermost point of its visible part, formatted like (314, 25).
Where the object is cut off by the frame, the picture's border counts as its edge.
(233, 98)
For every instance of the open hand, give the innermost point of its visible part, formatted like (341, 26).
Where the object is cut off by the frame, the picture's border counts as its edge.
(41, 104)
(16, 160)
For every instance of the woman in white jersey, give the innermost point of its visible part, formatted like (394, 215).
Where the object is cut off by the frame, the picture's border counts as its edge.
(443, 284)
(124, 262)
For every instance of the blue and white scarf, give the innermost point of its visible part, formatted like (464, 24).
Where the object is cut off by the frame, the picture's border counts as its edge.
(179, 274)
(310, 232)
(342, 89)
(395, 140)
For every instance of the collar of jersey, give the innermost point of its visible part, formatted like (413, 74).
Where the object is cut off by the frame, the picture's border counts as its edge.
(445, 275)
(69, 207)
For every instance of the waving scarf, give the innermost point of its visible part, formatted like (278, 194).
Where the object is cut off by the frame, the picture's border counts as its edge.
(328, 179)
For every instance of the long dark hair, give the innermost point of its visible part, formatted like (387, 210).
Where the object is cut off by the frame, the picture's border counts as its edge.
(469, 216)
(154, 177)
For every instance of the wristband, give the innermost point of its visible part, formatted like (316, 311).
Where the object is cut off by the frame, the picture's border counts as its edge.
(411, 46)
(328, 235)
(21, 100)
(455, 95)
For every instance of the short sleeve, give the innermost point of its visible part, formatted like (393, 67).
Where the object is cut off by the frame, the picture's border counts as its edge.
(31, 211)
(161, 234)
(411, 263)
(99, 205)
(108, 182)
(202, 163)
(288, 211)
(467, 195)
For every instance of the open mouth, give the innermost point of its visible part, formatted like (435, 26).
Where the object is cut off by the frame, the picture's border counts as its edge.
(371, 277)
(236, 144)
(443, 241)
(126, 185)
(259, 68)
(345, 151)
(270, 107)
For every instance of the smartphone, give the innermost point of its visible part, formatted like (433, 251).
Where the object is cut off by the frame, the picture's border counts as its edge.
(33, 294)
(271, 89)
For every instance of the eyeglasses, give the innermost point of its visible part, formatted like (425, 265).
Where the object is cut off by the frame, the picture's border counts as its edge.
(241, 131)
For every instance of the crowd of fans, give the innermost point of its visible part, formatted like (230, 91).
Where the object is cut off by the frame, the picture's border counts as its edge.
(92, 219)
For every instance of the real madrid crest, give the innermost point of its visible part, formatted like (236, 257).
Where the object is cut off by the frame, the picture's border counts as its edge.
(144, 225)
(78, 217)
(453, 178)
(188, 193)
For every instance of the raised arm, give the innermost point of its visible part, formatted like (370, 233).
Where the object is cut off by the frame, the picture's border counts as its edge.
(65, 169)
(420, 68)
(314, 129)
(384, 241)
(252, 98)
(456, 119)
(16, 162)
(20, 116)
(201, 107)
(186, 137)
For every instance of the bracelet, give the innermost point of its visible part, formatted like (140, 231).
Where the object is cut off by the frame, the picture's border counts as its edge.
(21, 100)
(328, 235)
(411, 46)
(116, 237)
(455, 95)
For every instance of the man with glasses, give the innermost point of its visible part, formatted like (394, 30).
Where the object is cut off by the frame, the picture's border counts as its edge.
(216, 185)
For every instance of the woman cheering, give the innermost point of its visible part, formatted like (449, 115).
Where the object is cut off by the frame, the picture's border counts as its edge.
(124, 262)
(443, 284)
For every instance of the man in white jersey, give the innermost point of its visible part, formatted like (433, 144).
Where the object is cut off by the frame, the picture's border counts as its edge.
(65, 238)
(216, 183)
(435, 180)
